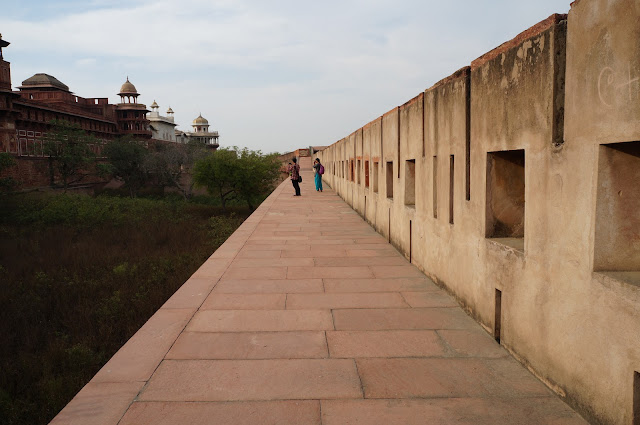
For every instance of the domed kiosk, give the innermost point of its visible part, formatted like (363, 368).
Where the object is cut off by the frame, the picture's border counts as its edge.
(202, 134)
(132, 116)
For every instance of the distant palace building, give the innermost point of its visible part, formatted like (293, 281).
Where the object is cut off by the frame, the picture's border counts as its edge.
(162, 128)
(200, 134)
(25, 115)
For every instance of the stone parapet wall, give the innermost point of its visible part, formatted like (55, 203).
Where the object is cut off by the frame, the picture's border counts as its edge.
(515, 184)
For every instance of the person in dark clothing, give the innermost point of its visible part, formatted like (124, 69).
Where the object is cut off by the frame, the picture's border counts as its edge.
(294, 172)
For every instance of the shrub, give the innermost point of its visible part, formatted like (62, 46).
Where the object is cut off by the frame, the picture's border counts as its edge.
(81, 276)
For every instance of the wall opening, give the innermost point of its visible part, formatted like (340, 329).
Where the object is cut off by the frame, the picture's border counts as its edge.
(636, 398)
(366, 174)
(467, 150)
(617, 231)
(390, 179)
(358, 172)
(506, 197)
(352, 174)
(435, 187)
(451, 186)
(375, 176)
(410, 183)
(497, 321)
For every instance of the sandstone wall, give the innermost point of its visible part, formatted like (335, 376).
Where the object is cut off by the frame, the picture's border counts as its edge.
(515, 184)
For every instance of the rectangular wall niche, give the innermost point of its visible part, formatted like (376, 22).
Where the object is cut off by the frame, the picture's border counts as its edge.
(366, 174)
(375, 176)
(452, 169)
(435, 187)
(390, 179)
(410, 183)
(617, 235)
(505, 197)
(358, 172)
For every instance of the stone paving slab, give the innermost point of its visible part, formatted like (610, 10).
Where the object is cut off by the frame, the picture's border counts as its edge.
(450, 411)
(231, 413)
(250, 345)
(260, 320)
(231, 380)
(274, 286)
(381, 285)
(426, 299)
(359, 344)
(343, 300)
(222, 301)
(414, 318)
(307, 316)
(451, 377)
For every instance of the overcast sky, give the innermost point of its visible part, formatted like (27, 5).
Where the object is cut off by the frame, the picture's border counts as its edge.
(272, 75)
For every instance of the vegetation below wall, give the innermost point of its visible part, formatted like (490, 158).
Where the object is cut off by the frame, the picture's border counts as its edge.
(79, 276)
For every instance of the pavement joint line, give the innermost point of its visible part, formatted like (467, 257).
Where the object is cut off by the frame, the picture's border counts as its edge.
(364, 396)
(326, 342)
(404, 299)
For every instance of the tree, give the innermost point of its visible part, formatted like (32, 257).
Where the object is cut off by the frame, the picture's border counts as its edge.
(126, 160)
(217, 173)
(69, 150)
(6, 161)
(257, 174)
(231, 173)
(168, 164)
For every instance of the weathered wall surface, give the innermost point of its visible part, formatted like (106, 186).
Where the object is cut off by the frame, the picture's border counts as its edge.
(515, 184)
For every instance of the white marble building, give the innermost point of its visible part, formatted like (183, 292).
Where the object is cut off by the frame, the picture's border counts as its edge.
(162, 128)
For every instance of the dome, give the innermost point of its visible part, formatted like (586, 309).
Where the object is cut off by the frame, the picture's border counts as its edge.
(128, 88)
(43, 81)
(154, 104)
(200, 121)
(169, 111)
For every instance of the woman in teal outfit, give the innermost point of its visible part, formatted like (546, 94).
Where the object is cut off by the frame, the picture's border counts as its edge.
(319, 169)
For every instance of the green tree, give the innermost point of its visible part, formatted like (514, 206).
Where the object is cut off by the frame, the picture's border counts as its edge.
(6, 161)
(257, 175)
(126, 159)
(233, 173)
(70, 153)
(217, 173)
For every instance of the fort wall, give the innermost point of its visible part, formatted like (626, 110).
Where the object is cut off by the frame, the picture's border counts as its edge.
(515, 184)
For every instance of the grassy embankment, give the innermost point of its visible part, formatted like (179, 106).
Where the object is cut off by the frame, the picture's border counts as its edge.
(78, 277)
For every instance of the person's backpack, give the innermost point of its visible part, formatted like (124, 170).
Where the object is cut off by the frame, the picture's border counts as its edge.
(321, 170)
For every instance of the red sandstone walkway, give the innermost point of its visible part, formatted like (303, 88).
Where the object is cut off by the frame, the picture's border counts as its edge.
(307, 316)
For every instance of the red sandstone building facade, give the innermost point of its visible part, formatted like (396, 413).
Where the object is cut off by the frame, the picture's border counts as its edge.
(25, 114)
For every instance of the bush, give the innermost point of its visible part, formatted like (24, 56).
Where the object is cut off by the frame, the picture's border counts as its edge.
(80, 276)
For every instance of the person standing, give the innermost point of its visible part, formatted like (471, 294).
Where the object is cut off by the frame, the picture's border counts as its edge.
(294, 171)
(319, 171)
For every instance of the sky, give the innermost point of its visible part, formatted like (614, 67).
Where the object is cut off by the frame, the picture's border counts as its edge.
(270, 75)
